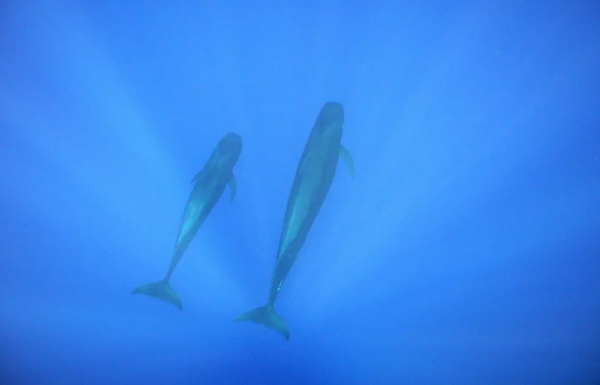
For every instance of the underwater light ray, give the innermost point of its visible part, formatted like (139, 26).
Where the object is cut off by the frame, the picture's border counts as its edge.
(444, 291)
(402, 220)
(40, 135)
(87, 72)
(123, 142)
(356, 261)
(517, 125)
(245, 117)
(140, 165)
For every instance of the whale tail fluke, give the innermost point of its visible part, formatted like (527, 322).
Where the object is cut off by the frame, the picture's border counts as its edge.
(161, 290)
(265, 315)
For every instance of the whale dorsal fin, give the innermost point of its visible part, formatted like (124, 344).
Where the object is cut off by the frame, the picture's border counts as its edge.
(232, 186)
(347, 158)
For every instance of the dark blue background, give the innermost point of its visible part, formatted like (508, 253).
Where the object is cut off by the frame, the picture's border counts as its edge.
(465, 250)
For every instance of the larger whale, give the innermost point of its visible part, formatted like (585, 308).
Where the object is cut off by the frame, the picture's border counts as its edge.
(210, 183)
(314, 176)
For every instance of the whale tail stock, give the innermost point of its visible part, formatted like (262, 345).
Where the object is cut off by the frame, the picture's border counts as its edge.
(267, 316)
(161, 290)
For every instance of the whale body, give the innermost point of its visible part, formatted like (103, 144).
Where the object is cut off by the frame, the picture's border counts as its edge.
(209, 185)
(312, 181)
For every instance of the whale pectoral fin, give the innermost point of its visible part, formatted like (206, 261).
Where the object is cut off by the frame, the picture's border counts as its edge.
(232, 186)
(347, 158)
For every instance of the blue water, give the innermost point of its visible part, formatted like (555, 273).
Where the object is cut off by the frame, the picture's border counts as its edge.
(464, 251)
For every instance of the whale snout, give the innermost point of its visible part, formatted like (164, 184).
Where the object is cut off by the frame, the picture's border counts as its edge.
(332, 113)
(232, 140)
(230, 144)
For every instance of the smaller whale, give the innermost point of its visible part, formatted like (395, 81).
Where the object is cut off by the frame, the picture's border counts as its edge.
(313, 179)
(210, 183)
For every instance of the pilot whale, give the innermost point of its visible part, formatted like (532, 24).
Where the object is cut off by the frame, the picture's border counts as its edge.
(313, 178)
(209, 184)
